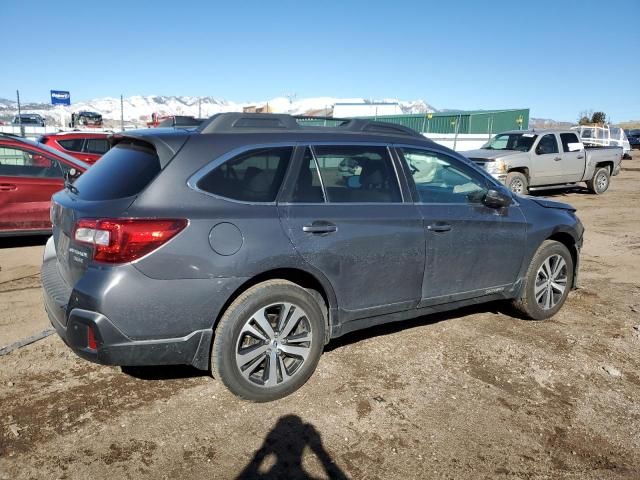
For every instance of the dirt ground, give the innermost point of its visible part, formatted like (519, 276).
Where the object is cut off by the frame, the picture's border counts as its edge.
(474, 393)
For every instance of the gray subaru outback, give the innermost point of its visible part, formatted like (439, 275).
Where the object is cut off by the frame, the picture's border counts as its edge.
(245, 245)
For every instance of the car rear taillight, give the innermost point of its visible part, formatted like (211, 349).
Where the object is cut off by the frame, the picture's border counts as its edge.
(121, 240)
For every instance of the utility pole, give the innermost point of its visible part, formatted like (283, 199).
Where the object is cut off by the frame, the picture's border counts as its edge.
(121, 113)
(199, 107)
(19, 113)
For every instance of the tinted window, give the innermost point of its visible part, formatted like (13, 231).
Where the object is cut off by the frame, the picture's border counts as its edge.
(308, 188)
(569, 141)
(122, 172)
(253, 176)
(72, 144)
(358, 174)
(98, 146)
(441, 179)
(16, 162)
(548, 144)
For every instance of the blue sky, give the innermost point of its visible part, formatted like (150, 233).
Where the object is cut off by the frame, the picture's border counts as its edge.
(556, 57)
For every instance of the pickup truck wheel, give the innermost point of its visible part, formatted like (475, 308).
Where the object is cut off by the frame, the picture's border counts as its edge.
(269, 341)
(517, 183)
(548, 282)
(600, 181)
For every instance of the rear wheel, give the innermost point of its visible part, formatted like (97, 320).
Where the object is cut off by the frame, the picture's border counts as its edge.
(517, 182)
(548, 282)
(600, 181)
(269, 341)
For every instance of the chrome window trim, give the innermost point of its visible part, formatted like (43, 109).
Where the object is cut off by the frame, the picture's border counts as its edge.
(192, 181)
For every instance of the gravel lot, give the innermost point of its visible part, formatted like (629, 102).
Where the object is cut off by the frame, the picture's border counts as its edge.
(474, 393)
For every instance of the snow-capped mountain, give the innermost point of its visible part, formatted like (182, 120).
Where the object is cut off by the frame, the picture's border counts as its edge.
(138, 109)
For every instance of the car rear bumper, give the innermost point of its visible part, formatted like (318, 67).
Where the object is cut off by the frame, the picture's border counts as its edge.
(130, 325)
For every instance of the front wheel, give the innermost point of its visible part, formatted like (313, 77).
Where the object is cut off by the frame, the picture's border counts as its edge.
(599, 183)
(269, 341)
(548, 282)
(517, 182)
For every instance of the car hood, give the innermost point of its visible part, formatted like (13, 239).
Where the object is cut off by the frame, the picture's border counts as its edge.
(543, 202)
(487, 154)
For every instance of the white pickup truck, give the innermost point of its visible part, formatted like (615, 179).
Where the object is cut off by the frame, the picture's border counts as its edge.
(527, 160)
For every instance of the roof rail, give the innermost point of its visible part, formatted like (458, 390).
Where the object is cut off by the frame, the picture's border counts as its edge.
(242, 122)
(236, 122)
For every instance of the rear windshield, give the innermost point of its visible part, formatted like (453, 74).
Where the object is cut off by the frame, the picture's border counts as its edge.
(122, 172)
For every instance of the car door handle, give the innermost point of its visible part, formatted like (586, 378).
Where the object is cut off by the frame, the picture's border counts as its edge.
(320, 228)
(7, 187)
(580, 157)
(439, 227)
(557, 159)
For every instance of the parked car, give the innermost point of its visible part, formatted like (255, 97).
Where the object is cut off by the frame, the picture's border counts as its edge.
(29, 119)
(30, 173)
(634, 137)
(239, 246)
(87, 119)
(528, 160)
(85, 146)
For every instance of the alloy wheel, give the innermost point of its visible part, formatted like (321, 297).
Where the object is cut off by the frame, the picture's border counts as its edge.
(551, 282)
(274, 344)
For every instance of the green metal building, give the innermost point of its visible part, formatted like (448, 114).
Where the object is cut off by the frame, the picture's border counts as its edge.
(476, 121)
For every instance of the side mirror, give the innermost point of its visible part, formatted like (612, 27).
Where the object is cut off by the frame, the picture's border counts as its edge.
(497, 199)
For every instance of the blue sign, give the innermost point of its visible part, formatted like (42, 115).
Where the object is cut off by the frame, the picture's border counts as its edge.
(59, 97)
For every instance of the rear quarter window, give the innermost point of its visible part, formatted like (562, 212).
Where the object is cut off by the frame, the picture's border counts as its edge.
(253, 176)
(123, 171)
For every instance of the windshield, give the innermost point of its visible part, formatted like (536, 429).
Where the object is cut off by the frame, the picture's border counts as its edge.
(521, 142)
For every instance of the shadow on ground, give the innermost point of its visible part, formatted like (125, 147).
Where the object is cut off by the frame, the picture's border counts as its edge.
(164, 372)
(20, 241)
(280, 455)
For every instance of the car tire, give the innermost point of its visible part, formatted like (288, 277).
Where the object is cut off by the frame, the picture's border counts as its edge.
(517, 182)
(548, 281)
(257, 354)
(599, 183)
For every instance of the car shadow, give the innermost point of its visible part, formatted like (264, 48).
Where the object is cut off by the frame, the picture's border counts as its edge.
(23, 241)
(501, 307)
(174, 372)
(164, 372)
(561, 192)
(280, 455)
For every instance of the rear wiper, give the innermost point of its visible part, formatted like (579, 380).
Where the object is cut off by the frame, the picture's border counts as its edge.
(69, 186)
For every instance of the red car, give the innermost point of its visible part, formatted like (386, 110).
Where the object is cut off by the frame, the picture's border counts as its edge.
(30, 173)
(85, 146)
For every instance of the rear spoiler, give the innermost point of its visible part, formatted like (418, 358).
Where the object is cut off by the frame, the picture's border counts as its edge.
(165, 146)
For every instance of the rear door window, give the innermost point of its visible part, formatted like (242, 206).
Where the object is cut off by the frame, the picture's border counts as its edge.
(253, 176)
(358, 174)
(570, 142)
(308, 187)
(123, 171)
(98, 146)
(72, 144)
